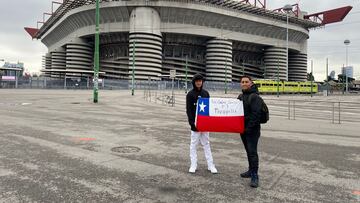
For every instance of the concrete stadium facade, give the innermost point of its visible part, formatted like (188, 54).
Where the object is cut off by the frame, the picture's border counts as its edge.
(221, 41)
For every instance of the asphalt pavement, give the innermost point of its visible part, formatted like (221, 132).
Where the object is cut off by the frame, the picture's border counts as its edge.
(58, 146)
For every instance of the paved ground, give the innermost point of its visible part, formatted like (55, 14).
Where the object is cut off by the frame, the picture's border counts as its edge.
(57, 146)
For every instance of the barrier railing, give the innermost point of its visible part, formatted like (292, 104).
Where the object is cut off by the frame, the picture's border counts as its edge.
(293, 108)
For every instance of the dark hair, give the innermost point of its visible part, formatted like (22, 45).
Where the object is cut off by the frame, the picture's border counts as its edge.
(198, 76)
(245, 76)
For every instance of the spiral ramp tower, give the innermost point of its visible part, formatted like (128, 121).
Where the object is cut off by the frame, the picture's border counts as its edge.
(275, 63)
(145, 44)
(79, 57)
(219, 60)
(47, 64)
(58, 63)
(297, 67)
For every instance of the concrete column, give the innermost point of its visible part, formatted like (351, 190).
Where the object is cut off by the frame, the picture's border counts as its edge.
(145, 33)
(219, 60)
(275, 60)
(297, 67)
(47, 64)
(58, 60)
(79, 56)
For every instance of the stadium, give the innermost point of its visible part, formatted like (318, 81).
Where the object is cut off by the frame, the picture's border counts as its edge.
(222, 39)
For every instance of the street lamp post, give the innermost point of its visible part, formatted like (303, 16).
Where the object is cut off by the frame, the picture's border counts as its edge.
(311, 79)
(225, 75)
(186, 74)
(327, 76)
(347, 43)
(278, 80)
(133, 70)
(97, 47)
(287, 8)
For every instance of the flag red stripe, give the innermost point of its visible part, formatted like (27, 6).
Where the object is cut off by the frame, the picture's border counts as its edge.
(231, 124)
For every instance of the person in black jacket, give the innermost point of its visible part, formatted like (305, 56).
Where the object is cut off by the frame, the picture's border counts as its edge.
(252, 112)
(196, 137)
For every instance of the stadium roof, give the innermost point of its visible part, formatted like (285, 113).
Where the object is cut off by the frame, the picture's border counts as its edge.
(242, 6)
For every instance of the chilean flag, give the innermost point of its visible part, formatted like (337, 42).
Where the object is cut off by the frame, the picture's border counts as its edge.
(220, 115)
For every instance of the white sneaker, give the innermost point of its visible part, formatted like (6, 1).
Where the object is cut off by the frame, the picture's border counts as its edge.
(192, 169)
(213, 170)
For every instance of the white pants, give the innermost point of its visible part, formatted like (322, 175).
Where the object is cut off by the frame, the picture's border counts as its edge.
(203, 138)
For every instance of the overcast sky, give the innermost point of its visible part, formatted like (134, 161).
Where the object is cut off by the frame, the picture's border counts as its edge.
(328, 42)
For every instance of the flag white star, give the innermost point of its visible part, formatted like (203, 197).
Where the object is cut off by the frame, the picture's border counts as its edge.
(202, 107)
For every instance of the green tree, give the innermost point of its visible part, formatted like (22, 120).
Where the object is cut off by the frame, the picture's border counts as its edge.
(310, 77)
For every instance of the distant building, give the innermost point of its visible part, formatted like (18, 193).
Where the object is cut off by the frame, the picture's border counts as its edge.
(10, 68)
(348, 71)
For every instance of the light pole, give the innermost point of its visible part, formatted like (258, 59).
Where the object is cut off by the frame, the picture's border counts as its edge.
(225, 75)
(311, 79)
(327, 76)
(186, 74)
(97, 47)
(278, 79)
(1, 73)
(287, 8)
(347, 43)
(133, 71)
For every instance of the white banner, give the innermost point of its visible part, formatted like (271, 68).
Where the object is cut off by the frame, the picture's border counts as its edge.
(226, 107)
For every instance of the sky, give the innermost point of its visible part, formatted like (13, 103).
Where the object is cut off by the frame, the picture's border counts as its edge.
(326, 42)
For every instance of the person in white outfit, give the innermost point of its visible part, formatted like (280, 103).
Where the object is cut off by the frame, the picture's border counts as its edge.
(196, 136)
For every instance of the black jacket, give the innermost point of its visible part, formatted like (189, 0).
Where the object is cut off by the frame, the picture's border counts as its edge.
(252, 109)
(191, 100)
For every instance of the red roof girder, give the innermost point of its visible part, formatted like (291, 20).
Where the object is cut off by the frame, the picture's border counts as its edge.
(330, 16)
(32, 31)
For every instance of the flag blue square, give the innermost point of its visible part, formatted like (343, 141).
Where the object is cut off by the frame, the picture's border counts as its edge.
(203, 106)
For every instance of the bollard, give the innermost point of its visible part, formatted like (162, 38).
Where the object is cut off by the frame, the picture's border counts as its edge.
(65, 82)
(294, 109)
(339, 113)
(289, 110)
(149, 95)
(333, 112)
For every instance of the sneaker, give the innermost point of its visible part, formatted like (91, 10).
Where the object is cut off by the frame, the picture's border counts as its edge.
(213, 170)
(192, 169)
(246, 174)
(254, 181)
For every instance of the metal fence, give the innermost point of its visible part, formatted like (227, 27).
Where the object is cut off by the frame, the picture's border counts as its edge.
(173, 94)
(122, 84)
(110, 84)
(332, 111)
(335, 112)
